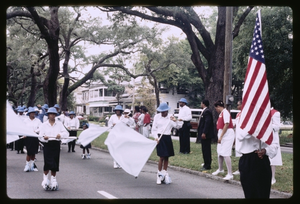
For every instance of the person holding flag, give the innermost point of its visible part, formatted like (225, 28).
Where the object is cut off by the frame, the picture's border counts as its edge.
(31, 143)
(254, 130)
(51, 132)
(161, 130)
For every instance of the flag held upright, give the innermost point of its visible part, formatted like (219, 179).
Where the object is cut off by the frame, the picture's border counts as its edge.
(256, 111)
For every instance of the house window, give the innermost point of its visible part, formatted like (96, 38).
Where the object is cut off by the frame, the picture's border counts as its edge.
(108, 93)
(100, 109)
(107, 109)
(91, 94)
(96, 93)
(100, 92)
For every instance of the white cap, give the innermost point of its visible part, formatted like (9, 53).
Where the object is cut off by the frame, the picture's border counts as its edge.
(127, 111)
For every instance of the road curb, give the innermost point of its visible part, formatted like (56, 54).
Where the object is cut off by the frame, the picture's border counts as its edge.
(199, 173)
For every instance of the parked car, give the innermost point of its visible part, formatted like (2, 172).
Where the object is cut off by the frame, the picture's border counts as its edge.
(194, 122)
(286, 125)
(233, 114)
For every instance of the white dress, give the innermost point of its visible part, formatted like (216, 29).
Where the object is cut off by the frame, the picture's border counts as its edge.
(277, 160)
(225, 147)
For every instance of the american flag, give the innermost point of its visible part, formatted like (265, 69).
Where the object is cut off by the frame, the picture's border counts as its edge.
(256, 115)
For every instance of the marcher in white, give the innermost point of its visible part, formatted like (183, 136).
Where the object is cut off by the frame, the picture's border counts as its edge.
(20, 143)
(236, 141)
(225, 139)
(161, 131)
(146, 121)
(277, 160)
(117, 118)
(140, 122)
(72, 124)
(185, 116)
(51, 132)
(88, 155)
(31, 143)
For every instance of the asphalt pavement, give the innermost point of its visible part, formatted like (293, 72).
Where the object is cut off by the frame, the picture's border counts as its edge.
(97, 179)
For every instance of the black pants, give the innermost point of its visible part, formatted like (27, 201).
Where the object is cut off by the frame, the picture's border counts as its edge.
(184, 137)
(72, 143)
(206, 151)
(255, 175)
(51, 155)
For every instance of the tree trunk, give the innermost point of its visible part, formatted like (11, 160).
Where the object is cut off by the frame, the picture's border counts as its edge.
(32, 96)
(64, 92)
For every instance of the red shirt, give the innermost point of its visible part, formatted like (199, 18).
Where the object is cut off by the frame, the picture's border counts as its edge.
(147, 118)
(221, 124)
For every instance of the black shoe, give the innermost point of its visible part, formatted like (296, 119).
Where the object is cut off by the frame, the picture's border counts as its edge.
(68, 150)
(73, 150)
(204, 169)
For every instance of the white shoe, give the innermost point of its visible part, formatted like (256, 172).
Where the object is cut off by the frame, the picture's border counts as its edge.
(88, 156)
(159, 177)
(237, 172)
(83, 156)
(46, 183)
(54, 184)
(218, 172)
(228, 177)
(27, 166)
(168, 179)
(33, 167)
(273, 181)
(116, 165)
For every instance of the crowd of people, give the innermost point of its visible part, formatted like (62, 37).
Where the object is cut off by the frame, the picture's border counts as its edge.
(57, 127)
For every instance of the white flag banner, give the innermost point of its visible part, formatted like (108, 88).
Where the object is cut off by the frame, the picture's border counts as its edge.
(129, 149)
(15, 126)
(90, 134)
(11, 138)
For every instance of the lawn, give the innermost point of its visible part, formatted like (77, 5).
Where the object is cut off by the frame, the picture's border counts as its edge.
(284, 174)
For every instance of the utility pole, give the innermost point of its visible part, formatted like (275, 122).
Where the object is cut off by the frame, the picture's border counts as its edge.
(227, 98)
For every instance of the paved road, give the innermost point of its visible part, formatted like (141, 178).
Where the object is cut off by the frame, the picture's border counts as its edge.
(96, 178)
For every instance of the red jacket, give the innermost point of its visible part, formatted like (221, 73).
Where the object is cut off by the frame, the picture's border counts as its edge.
(221, 124)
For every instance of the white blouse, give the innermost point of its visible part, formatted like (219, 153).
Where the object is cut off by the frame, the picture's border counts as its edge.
(72, 123)
(33, 124)
(163, 125)
(115, 120)
(46, 129)
(185, 113)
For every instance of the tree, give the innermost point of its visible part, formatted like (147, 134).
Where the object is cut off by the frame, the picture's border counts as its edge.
(277, 37)
(198, 36)
(49, 30)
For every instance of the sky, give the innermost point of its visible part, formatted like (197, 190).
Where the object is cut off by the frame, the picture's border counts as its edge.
(171, 31)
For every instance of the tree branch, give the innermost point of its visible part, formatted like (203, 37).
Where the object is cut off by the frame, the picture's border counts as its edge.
(236, 29)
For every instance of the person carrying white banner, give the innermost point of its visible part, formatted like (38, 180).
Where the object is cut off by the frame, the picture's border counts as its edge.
(161, 130)
(31, 143)
(117, 118)
(51, 133)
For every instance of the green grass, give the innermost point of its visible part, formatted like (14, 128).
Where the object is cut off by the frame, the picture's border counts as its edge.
(284, 174)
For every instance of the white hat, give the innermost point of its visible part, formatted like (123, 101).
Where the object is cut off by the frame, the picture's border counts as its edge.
(127, 111)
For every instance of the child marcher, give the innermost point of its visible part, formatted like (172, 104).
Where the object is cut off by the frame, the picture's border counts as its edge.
(31, 143)
(51, 132)
(88, 155)
(161, 130)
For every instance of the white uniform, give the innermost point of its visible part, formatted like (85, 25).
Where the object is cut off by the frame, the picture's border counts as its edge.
(47, 130)
(225, 147)
(72, 123)
(163, 125)
(115, 120)
(33, 124)
(277, 160)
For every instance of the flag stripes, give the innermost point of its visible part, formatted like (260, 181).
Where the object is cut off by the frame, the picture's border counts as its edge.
(256, 115)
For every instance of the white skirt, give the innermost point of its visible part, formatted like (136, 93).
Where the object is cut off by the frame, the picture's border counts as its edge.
(225, 147)
(277, 160)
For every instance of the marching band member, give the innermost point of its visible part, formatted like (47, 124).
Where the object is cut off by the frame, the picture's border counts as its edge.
(51, 133)
(161, 130)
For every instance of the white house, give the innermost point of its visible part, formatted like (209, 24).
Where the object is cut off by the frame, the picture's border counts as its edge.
(96, 100)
